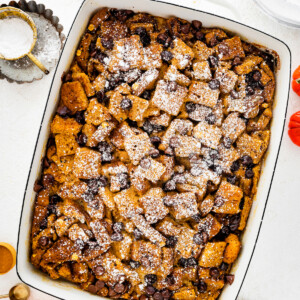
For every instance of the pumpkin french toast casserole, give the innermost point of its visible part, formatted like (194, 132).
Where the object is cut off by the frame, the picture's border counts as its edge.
(153, 159)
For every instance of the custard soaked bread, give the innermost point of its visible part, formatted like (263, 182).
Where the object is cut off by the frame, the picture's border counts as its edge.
(153, 159)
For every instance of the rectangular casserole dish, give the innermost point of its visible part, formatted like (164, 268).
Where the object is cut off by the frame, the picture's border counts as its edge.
(27, 273)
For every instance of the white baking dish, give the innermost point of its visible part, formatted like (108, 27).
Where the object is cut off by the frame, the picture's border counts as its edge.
(64, 290)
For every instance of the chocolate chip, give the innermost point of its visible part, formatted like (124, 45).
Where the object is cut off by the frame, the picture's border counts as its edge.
(246, 160)
(196, 171)
(46, 163)
(123, 180)
(170, 280)
(106, 157)
(122, 14)
(249, 91)
(144, 36)
(63, 111)
(174, 142)
(185, 28)
(183, 262)
(169, 186)
(169, 151)
(172, 86)
(219, 201)
(235, 166)
(82, 139)
(213, 61)
(117, 237)
(166, 294)
(155, 140)
(234, 94)
(44, 224)
(224, 266)
(92, 289)
(154, 153)
(112, 292)
(236, 61)
(232, 179)
(79, 244)
(211, 119)
(107, 42)
(214, 41)
(100, 284)
(143, 297)
(98, 271)
(126, 104)
(234, 222)
(54, 199)
(93, 185)
(196, 24)
(168, 201)
(47, 180)
(146, 95)
(249, 173)
(196, 218)
(37, 186)
(100, 96)
(229, 278)
(190, 107)
(166, 56)
(43, 241)
(145, 163)
(119, 288)
(150, 279)
(214, 272)
(158, 296)
(102, 181)
(150, 290)
(79, 117)
(213, 154)
(199, 35)
(148, 127)
(214, 84)
(202, 286)
(171, 241)
(256, 75)
(223, 49)
(192, 262)
(118, 227)
(179, 178)
(200, 238)
(227, 142)
(164, 39)
(134, 264)
(137, 234)
(218, 169)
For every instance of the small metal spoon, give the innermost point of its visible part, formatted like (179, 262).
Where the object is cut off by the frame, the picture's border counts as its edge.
(18, 292)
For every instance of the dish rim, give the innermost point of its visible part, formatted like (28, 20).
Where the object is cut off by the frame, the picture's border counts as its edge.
(276, 154)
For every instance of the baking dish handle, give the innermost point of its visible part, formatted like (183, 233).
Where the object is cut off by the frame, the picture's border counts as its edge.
(227, 4)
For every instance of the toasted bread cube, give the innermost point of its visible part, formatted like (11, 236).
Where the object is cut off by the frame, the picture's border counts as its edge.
(262, 121)
(173, 74)
(248, 145)
(168, 227)
(148, 26)
(107, 197)
(169, 101)
(210, 225)
(61, 125)
(152, 110)
(77, 233)
(202, 70)
(169, 163)
(73, 190)
(248, 65)
(187, 146)
(139, 106)
(145, 82)
(95, 208)
(99, 83)
(139, 183)
(207, 205)
(200, 113)
(214, 285)
(85, 82)
(185, 247)
(137, 147)
(127, 54)
(227, 79)
(245, 212)
(212, 255)
(182, 54)
(40, 214)
(185, 206)
(212, 33)
(65, 144)
(186, 293)
(231, 196)
(233, 126)
(152, 56)
(82, 54)
(152, 203)
(232, 249)
(115, 107)
(89, 130)
(96, 113)
(127, 203)
(73, 96)
(87, 163)
(167, 262)
(153, 172)
(201, 93)
(72, 210)
(209, 135)
(122, 249)
(201, 51)
(101, 234)
(234, 46)
(103, 131)
(163, 120)
(227, 157)
(149, 232)
(145, 251)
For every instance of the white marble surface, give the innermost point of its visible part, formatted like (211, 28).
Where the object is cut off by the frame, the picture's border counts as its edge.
(274, 271)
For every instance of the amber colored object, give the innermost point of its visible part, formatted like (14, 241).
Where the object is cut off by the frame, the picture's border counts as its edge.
(7, 258)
